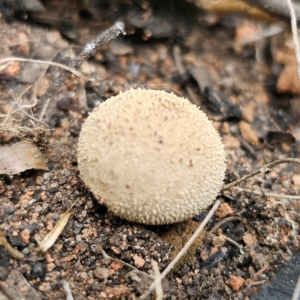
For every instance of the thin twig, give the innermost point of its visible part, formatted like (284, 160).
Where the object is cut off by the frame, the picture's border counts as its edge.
(262, 193)
(264, 169)
(182, 251)
(233, 218)
(295, 34)
(106, 256)
(67, 290)
(21, 108)
(89, 51)
(277, 7)
(158, 290)
(43, 62)
(9, 249)
(234, 243)
(256, 283)
(296, 293)
(262, 270)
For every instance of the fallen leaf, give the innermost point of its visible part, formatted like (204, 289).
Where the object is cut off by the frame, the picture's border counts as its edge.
(19, 157)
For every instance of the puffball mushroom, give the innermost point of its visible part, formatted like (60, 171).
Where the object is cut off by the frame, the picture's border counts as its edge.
(151, 157)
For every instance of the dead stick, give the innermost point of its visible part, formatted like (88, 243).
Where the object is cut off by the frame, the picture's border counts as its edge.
(265, 268)
(263, 169)
(89, 51)
(182, 251)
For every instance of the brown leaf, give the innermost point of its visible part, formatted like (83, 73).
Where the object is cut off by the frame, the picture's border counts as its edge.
(19, 157)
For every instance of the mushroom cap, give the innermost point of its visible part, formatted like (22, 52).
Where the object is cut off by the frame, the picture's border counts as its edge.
(151, 157)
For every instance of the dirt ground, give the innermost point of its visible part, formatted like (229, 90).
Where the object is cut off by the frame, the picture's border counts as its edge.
(184, 51)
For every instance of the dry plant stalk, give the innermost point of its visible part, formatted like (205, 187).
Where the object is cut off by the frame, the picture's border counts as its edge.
(262, 193)
(182, 251)
(8, 60)
(159, 290)
(89, 51)
(12, 123)
(264, 169)
(106, 256)
(67, 290)
(9, 249)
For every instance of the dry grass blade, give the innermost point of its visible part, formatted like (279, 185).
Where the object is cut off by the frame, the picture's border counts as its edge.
(106, 256)
(89, 50)
(43, 62)
(67, 290)
(159, 290)
(9, 249)
(262, 193)
(182, 251)
(264, 169)
(11, 122)
(51, 237)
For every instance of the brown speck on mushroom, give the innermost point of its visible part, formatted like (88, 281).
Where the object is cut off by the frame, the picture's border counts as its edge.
(118, 147)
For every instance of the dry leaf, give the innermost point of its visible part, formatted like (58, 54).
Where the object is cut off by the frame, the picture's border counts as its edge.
(19, 157)
(51, 237)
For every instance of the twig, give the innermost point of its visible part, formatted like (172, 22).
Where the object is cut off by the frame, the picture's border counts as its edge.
(106, 256)
(8, 248)
(264, 169)
(233, 218)
(286, 215)
(262, 193)
(295, 34)
(21, 108)
(234, 243)
(262, 270)
(89, 51)
(159, 290)
(43, 62)
(256, 283)
(67, 290)
(182, 251)
(296, 293)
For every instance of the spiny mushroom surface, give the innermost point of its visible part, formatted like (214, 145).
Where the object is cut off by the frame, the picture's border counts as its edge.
(151, 157)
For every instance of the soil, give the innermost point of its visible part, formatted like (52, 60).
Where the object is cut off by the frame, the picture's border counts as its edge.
(192, 54)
